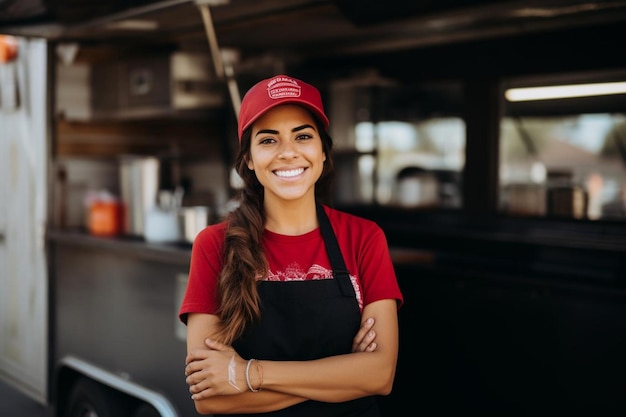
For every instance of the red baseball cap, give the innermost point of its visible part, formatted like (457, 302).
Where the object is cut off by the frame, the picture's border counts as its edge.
(280, 89)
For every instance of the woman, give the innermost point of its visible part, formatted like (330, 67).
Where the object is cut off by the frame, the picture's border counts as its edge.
(286, 297)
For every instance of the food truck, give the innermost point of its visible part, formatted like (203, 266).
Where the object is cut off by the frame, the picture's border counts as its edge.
(505, 218)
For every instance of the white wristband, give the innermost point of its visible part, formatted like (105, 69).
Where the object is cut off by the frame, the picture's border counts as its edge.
(248, 376)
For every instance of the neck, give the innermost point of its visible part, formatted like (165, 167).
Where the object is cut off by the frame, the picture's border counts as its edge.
(291, 218)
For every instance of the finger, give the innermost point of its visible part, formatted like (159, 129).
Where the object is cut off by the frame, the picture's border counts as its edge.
(367, 324)
(207, 393)
(203, 388)
(194, 366)
(193, 376)
(189, 370)
(367, 341)
(371, 347)
(198, 392)
(196, 355)
(357, 342)
(196, 387)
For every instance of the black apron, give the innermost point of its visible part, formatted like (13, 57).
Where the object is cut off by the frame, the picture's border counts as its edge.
(305, 320)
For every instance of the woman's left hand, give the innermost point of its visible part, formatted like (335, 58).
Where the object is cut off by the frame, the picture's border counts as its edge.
(364, 341)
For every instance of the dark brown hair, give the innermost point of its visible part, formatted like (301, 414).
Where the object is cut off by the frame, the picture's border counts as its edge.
(244, 260)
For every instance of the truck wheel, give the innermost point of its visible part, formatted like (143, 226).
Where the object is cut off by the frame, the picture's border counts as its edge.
(91, 399)
(146, 410)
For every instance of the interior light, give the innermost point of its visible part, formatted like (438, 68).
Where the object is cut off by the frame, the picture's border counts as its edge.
(564, 91)
(133, 24)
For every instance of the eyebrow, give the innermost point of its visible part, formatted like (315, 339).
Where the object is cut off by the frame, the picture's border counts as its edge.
(299, 128)
(275, 132)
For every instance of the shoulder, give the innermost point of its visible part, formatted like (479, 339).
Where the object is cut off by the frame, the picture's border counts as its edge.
(211, 236)
(213, 230)
(353, 227)
(343, 219)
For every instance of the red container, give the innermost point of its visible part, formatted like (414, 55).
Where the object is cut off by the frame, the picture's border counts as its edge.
(105, 218)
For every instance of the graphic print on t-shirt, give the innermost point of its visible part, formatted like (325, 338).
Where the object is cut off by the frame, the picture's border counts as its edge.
(294, 272)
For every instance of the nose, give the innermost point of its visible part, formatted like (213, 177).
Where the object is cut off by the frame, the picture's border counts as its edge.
(288, 150)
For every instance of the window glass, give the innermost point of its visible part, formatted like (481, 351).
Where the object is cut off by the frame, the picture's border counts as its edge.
(569, 165)
(418, 164)
(398, 145)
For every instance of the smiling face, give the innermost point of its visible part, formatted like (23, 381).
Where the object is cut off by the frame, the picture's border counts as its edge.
(286, 153)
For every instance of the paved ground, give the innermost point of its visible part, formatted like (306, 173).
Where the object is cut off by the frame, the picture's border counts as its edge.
(14, 403)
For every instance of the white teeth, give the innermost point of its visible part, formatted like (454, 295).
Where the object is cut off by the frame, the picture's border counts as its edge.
(290, 172)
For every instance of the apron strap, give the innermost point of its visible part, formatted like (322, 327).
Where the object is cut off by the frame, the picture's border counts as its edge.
(340, 272)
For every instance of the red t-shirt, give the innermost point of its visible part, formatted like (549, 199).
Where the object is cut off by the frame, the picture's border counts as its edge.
(304, 257)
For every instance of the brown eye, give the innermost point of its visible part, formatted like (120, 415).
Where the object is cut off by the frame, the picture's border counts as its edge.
(266, 141)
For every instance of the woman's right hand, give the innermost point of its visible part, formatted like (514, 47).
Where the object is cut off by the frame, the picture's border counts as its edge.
(217, 370)
(364, 341)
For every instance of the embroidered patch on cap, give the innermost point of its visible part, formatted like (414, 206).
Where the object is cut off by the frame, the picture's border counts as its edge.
(281, 87)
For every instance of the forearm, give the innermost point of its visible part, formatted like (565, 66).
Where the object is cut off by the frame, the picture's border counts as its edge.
(247, 402)
(285, 383)
(333, 379)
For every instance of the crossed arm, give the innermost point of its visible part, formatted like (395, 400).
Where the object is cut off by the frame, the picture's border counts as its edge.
(368, 370)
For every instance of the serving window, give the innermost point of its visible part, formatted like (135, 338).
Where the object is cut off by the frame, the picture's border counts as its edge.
(398, 145)
(563, 151)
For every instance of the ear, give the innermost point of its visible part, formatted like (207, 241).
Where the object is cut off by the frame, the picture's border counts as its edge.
(250, 164)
